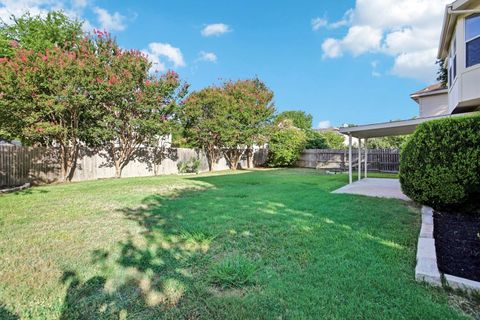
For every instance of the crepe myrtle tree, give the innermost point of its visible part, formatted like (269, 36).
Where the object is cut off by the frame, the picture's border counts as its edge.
(250, 112)
(203, 115)
(46, 98)
(137, 106)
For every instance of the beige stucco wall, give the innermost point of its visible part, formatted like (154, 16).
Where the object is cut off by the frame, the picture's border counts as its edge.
(464, 90)
(433, 105)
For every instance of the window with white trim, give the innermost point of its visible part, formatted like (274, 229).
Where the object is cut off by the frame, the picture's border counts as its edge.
(452, 62)
(472, 40)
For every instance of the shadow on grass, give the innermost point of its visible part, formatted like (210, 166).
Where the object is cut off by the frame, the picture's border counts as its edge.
(162, 271)
(5, 314)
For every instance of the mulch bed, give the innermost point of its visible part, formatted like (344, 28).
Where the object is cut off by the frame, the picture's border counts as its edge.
(458, 244)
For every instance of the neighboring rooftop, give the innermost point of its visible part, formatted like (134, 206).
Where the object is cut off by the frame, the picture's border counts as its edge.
(436, 88)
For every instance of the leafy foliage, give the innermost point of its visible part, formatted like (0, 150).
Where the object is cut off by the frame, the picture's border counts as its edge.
(285, 145)
(440, 164)
(39, 33)
(203, 115)
(231, 118)
(316, 140)
(136, 106)
(46, 98)
(249, 114)
(191, 165)
(393, 142)
(442, 73)
(333, 140)
(300, 119)
(62, 89)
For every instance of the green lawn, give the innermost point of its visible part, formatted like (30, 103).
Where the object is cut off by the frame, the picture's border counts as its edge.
(269, 244)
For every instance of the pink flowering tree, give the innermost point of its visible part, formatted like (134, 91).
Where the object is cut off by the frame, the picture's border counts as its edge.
(137, 107)
(46, 98)
(248, 120)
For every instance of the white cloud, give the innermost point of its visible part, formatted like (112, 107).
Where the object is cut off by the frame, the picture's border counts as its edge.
(72, 8)
(332, 48)
(325, 124)
(215, 29)
(318, 22)
(157, 50)
(418, 64)
(208, 56)
(110, 21)
(407, 30)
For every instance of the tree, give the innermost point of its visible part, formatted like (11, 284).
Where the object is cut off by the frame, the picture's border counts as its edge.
(136, 107)
(39, 33)
(46, 98)
(333, 139)
(249, 114)
(203, 116)
(285, 145)
(300, 119)
(442, 73)
(393, 142)
(315, 140)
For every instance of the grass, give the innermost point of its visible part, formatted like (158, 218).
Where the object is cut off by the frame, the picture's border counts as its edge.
(262, 244)
(233, 272)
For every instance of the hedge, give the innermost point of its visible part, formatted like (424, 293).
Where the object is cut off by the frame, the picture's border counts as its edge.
(440, 164)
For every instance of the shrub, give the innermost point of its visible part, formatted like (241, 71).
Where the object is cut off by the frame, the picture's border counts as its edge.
(189, 166)
(286, 143)
(315, 140)
(233, 272)
(440, 164)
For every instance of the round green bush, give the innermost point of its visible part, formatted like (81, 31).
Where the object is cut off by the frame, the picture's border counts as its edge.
(286, 143)
(440, 164)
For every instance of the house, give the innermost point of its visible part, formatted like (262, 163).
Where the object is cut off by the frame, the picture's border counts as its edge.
(459, 48)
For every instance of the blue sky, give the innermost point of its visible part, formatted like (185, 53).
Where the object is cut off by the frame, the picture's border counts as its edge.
(342, 61)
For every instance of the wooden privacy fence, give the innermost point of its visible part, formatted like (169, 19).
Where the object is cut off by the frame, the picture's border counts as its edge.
(19, 165)
(382, 160)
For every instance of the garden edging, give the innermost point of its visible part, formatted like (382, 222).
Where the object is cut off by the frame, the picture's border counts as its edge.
(427, 268)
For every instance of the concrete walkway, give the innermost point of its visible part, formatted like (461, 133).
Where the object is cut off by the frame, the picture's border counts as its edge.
(374, 187)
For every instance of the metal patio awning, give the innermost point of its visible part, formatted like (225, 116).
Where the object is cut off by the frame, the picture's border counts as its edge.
(385, 129)
(392, 128)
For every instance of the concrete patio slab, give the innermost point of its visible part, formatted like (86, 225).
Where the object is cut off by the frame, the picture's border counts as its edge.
(375, 187)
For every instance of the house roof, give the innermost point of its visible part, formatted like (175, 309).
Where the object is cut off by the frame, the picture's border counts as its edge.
(437, 88)
(450, 18)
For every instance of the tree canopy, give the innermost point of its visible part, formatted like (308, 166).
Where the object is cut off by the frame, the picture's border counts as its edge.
(300, 119)
(39, 33)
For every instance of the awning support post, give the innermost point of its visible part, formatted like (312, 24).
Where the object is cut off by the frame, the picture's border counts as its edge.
(359, 159)
(350, 180)
(365, 145)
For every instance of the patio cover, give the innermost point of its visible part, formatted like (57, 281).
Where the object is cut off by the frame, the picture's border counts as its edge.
(385, 129)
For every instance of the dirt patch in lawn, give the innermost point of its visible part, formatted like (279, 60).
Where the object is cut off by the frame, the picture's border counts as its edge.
(457, 244)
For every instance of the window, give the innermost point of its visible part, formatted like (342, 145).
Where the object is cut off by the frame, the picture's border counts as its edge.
(472, 40)
(452, 62)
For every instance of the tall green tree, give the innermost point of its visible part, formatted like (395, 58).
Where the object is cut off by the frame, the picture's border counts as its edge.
(286, 143)
(333, 139)
(46, 98)
(203, 115)
(39, 33)
(300, 119)
(137, 107)
(249, 116)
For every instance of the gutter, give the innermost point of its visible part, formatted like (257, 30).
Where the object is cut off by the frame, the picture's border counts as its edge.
(449, 12)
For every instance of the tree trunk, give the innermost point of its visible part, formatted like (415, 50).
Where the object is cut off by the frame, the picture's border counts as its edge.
(118, 169)
(249, 152)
